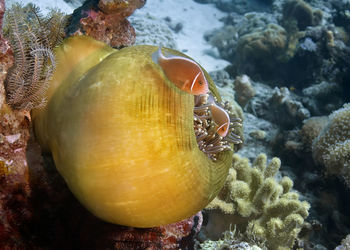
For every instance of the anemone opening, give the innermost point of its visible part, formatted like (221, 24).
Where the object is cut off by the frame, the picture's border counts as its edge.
(208, 140)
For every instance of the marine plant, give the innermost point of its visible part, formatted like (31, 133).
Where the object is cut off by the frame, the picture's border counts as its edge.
(122, 135)
(32, 38)
(259, 205)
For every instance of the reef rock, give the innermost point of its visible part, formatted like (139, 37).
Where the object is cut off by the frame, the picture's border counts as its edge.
(106, 22)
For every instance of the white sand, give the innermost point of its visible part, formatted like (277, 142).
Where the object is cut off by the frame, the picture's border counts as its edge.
(196, 20)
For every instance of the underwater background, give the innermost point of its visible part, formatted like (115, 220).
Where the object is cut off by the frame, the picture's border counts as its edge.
(284, 67)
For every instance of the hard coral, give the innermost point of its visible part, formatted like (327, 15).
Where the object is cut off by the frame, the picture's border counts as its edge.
(332, 146)
(311, 129)
(259, 204)
(302, 13)
(107, 21)
(345, 244)
(253, 50)
(243, 89)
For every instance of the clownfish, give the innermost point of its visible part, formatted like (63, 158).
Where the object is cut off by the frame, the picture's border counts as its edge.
(220, 117)
(183, 72)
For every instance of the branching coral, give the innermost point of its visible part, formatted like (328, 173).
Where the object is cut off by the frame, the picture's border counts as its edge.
(260, 205)
(332, 146)
(32, 38)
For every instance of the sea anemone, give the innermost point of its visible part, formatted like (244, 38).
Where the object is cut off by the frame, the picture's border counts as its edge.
(208, 140)
(122, 136)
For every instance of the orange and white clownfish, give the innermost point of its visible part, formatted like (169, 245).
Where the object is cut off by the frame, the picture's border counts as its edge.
(183, 72)
(220, 117)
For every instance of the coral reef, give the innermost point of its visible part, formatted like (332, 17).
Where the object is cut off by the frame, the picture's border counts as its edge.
(244, 90)
(295, 90)
(306, 49)
(230, 241)
(37, 210)
(240, 6)
(14, 191)
(345, 244)
(258, 204)
(150, 31)
(254, 47)
(105, 21)
(173, 236)
(6, 55)
(332, 146)
(279, 106)
(311, 129)
(293, 110)
(300, 12)
(227, 37)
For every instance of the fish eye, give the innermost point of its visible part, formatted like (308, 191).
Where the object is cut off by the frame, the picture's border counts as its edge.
(200, 82)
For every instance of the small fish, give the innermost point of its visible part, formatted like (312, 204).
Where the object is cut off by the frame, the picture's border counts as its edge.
(183, 72)
(220, 117)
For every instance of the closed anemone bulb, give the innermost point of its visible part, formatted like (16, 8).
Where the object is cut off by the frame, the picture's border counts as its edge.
(208, 140)
(133, 148)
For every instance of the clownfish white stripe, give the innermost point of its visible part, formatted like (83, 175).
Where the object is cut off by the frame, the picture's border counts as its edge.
(194, 80)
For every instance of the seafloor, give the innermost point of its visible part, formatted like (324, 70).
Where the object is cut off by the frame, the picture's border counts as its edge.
(283, 63)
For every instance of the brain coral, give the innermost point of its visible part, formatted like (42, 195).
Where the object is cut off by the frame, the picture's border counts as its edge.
(332, 146)
(259, 205)
(122, 136)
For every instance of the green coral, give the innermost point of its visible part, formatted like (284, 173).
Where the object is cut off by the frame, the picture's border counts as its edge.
(302, 13)
(259, 45)
(260, 205)
(332, 146)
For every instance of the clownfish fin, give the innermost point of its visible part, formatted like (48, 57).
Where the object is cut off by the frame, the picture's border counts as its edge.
(184, 86)
(157, 55)
(194, 80)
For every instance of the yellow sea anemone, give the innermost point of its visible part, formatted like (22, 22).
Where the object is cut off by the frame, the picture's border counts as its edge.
(122, 136)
